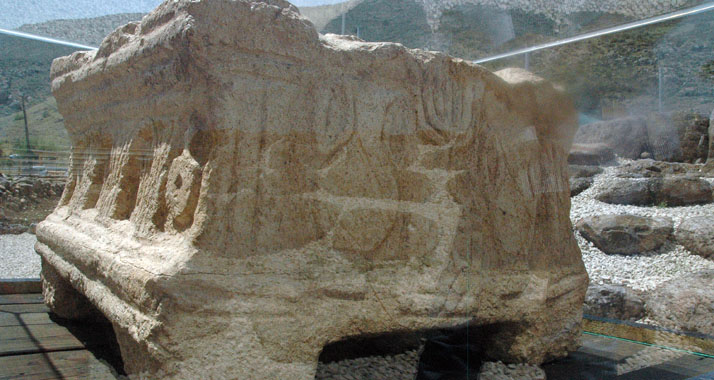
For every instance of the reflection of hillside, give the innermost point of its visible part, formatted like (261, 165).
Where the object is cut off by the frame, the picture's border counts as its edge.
(687, 59)
(25, 68)
(623, 69)
(46, 127)
(619, 69)
(88, 31)
(401, 21)
(322, 14)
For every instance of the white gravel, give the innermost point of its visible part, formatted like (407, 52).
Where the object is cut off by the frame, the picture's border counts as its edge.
(18, 258)
(501, 371)
(404, 367)
(640, 272)
(396, 367)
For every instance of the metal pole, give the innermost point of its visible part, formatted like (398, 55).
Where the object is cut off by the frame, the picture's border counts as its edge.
(343, 23)
(23, 98)
(659, 85)
(527, 63)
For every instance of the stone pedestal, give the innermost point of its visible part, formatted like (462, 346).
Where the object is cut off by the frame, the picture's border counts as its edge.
(244, 191)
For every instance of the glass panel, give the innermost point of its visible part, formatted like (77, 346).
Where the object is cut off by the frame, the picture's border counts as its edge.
(81, 22)
(87, 22)
(477, 29)
(34, 149)
(25, 89)
(647, 94)
(663, 67)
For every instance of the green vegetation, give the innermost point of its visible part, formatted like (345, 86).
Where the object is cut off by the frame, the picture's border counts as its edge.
(612, 68)
(401, 21)
(615, 70)
(25, 69)
(46, 128)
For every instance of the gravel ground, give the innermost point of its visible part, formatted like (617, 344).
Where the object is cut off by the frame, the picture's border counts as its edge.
(640, 272)
(396, 367)
(404, 367)
(17, 256)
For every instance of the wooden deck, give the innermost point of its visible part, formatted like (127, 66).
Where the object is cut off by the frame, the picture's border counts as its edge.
(608, 358)
(35, 345)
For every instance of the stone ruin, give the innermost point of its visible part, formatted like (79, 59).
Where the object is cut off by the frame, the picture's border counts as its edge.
(244, 191)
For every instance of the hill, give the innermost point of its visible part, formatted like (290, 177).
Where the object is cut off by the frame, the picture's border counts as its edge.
(18, 12)
(25, 68)
(322, 14)
(45, 125)
(621, 69)
(401, 21)
(86, 31)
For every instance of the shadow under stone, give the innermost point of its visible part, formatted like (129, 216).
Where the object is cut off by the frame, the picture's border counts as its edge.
(98, 337)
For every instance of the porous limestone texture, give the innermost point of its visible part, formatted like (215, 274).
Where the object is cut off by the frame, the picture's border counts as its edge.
(244, 191)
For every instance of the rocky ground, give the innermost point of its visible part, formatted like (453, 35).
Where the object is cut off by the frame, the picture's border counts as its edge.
(24, 202)
(646, 231)
(645, 270)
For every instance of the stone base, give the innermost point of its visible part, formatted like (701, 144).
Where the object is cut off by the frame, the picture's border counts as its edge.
(63, 299)
(191, 333)
(244, 191)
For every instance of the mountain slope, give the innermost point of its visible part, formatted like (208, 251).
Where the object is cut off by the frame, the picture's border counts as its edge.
(87, 31)
(45, 125)
(18, 12)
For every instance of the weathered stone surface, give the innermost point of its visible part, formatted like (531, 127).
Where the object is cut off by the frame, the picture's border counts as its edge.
(692, 130)
(682, 191)
(627, 137)
(12, 229)
(613, 301)
(677, 137)
(626, 191)
(62, 298)
(579, 184)
(651, 168)
(666, 192)
(583, 171)
(685, 303)
(663, 139)
(625, 234)
(581, 177)
(268, 191)
(590, 154)
(697, 235)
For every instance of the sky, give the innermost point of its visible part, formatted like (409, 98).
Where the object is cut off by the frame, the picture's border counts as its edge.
(14, 13)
